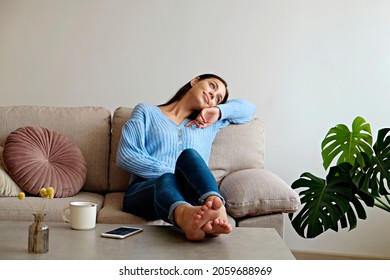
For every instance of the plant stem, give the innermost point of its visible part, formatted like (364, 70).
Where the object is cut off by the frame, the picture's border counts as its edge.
(43, 205)
(31, 206)
(387, 199)
(380, 204)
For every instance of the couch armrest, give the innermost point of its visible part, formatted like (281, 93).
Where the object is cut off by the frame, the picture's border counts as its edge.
(253, 192)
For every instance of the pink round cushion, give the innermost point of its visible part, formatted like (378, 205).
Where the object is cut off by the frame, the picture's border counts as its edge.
(36, 157)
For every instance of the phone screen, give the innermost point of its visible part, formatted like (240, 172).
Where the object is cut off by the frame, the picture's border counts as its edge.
(121, 232)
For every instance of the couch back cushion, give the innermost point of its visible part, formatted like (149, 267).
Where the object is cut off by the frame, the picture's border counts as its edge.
(118, 177)
(236, 147)
(88, 127)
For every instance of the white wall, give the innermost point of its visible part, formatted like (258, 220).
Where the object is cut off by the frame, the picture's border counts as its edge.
(308, 65)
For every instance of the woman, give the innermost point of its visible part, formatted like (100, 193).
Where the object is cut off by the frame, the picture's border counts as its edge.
(167, 149)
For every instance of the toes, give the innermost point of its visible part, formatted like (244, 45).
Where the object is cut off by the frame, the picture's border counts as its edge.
(208, 227)
(214, 203)
(217, 203)
(208, 204)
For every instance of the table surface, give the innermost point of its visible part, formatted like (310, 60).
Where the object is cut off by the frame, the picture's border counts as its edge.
(155, 242)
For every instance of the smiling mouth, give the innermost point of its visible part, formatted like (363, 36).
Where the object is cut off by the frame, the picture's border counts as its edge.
(206, 97)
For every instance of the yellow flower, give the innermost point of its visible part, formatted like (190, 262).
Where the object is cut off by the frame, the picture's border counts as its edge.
(44, 193)
(21, 195)
(50, 192)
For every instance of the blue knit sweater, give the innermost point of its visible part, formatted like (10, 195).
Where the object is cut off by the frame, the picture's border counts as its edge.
(151, 142)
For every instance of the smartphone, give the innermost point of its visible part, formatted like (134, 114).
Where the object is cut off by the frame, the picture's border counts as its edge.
(121, 232)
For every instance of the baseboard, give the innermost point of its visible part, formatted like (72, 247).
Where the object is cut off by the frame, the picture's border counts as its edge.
(309, 255)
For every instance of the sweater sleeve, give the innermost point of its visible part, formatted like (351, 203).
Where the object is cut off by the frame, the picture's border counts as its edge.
(237, 111)
(132, 154)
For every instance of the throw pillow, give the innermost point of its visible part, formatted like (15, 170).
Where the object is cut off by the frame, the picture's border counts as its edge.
(7, 186)
(253, 192)
(36, 157)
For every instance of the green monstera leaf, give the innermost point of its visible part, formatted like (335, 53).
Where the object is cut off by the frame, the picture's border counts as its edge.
(360, 178)
(340, 141)
(327, 204)
(374, 178)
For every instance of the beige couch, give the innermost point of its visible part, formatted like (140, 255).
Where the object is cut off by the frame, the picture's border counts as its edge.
(255, 196)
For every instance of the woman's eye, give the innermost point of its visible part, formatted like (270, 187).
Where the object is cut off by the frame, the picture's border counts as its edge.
(212, 86)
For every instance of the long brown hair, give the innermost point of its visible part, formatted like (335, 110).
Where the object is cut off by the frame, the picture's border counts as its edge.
(184, 89)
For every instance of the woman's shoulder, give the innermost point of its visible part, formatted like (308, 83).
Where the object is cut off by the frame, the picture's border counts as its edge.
(145, 106)
(143, 111)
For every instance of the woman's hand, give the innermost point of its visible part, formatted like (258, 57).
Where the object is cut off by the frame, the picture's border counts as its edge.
(206, 117)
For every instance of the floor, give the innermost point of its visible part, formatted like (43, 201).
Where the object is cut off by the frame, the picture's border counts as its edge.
(303, 255)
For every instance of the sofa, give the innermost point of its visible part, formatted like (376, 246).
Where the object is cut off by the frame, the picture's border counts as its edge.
(255, 196)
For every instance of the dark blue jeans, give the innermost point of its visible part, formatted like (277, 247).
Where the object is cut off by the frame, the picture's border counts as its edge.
(157, 198)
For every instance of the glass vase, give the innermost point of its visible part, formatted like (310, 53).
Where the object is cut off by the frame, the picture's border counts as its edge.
(38, 235)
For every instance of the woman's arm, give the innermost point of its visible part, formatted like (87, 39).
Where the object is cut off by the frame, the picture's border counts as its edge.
(235, 111)
(132, 154)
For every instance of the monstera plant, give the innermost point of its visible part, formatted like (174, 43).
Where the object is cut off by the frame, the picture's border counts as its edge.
(359, 177)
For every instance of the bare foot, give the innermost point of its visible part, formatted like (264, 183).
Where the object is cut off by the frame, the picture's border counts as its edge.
(217, 227)
(191, 219)
(220, 225)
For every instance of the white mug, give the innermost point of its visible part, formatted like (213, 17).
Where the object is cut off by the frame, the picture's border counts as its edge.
(82, 215)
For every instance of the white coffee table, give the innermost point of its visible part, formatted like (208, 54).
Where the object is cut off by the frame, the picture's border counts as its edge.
(154, 243)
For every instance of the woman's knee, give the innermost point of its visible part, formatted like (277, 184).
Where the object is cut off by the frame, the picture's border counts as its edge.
(189, 154)
(166, 178)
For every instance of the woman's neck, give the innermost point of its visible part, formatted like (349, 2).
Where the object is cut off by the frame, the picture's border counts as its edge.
(176, 112)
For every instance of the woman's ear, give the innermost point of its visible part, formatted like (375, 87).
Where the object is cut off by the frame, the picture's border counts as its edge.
(194, 81)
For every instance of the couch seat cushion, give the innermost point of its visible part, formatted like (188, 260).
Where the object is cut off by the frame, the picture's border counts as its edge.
(112, 212)
(11, 209)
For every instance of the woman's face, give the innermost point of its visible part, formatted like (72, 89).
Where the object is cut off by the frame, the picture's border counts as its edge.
(208, 92)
